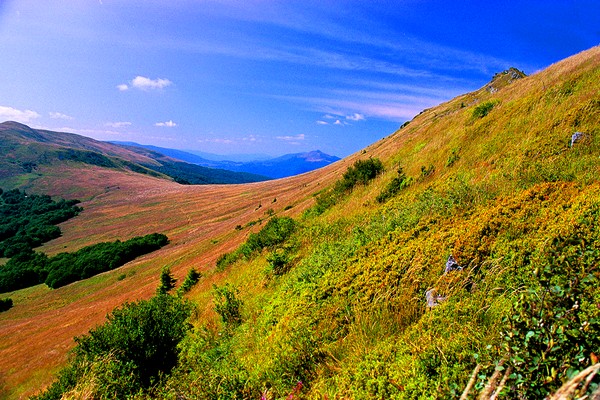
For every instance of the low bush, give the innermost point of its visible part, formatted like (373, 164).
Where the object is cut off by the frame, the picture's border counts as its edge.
(6, 304)
(361, 172)
(191, 279)
(275, 232)
(484, 108)
(395, 186)
(128, 353)
(227, 305)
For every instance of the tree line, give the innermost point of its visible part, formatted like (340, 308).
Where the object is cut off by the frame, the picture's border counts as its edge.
(28, 220)
(32, 268)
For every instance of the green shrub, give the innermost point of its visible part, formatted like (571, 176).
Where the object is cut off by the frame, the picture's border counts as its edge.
(278, 262)
(361, 172)
(483, 109)
(453, 157)
(555, 327)
(191, 279)
(395, 186)
(227, 305)
(275, 232)
(167, 281)
(127, 354)
(6, 304)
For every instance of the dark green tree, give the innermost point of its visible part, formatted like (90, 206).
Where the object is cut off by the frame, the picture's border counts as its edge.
(167, 281)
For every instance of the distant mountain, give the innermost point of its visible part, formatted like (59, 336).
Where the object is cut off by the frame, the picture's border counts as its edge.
(287, 165)
(280, 167)
(24, 150)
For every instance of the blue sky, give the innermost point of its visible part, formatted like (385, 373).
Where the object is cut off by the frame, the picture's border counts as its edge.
(263, 76)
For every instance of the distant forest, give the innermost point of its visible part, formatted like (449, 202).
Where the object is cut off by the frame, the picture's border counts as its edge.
(27, 221)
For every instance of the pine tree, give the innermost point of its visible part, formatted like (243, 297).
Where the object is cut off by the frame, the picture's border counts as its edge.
(167, 282)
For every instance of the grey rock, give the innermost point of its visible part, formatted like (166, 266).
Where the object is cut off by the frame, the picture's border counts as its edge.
(452, 265)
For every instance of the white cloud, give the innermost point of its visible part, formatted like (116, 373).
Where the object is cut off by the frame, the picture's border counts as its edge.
(322, 122)
(119, 124)
(12, 114)
(143, 83)
(338, 122)
(356, 117)
(57, 115)
(168, 124)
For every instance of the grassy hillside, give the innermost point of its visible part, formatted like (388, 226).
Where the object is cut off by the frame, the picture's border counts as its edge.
(489, 177)
(27, 155)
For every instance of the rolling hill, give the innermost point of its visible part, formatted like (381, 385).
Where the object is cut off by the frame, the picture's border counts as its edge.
(27, 153)
(366, 304)
(279, 167)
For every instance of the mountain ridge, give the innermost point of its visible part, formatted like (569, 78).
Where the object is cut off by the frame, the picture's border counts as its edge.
(25, 149)
(276, 167)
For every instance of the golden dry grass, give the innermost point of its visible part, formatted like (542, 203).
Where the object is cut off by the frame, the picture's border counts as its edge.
(200, 221)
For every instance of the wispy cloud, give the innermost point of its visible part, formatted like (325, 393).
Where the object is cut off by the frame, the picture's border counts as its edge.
(295, 138)
(118, 124)
(355, 117)
(338, 121)
(364, 104)
(145, 84)
(168, 124)
(216, 140)
(57, 115)
(13, 114)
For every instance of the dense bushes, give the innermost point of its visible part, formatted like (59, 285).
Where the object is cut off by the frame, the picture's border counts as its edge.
(66, 268)
(361, 172)
(128, 353)
(31, 268)
(275, 232)
(27, 221)
(555, 327)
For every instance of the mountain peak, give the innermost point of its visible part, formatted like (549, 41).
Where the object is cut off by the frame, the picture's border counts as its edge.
(504, 78)
(15, 126)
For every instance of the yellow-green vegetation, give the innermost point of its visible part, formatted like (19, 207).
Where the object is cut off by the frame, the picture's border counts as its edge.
(336, 309)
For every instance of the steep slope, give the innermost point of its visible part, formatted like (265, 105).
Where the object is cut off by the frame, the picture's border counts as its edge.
(491, 178)
(28, 153)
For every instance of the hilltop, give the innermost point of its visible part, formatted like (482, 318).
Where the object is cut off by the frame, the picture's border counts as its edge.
(360, 300)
